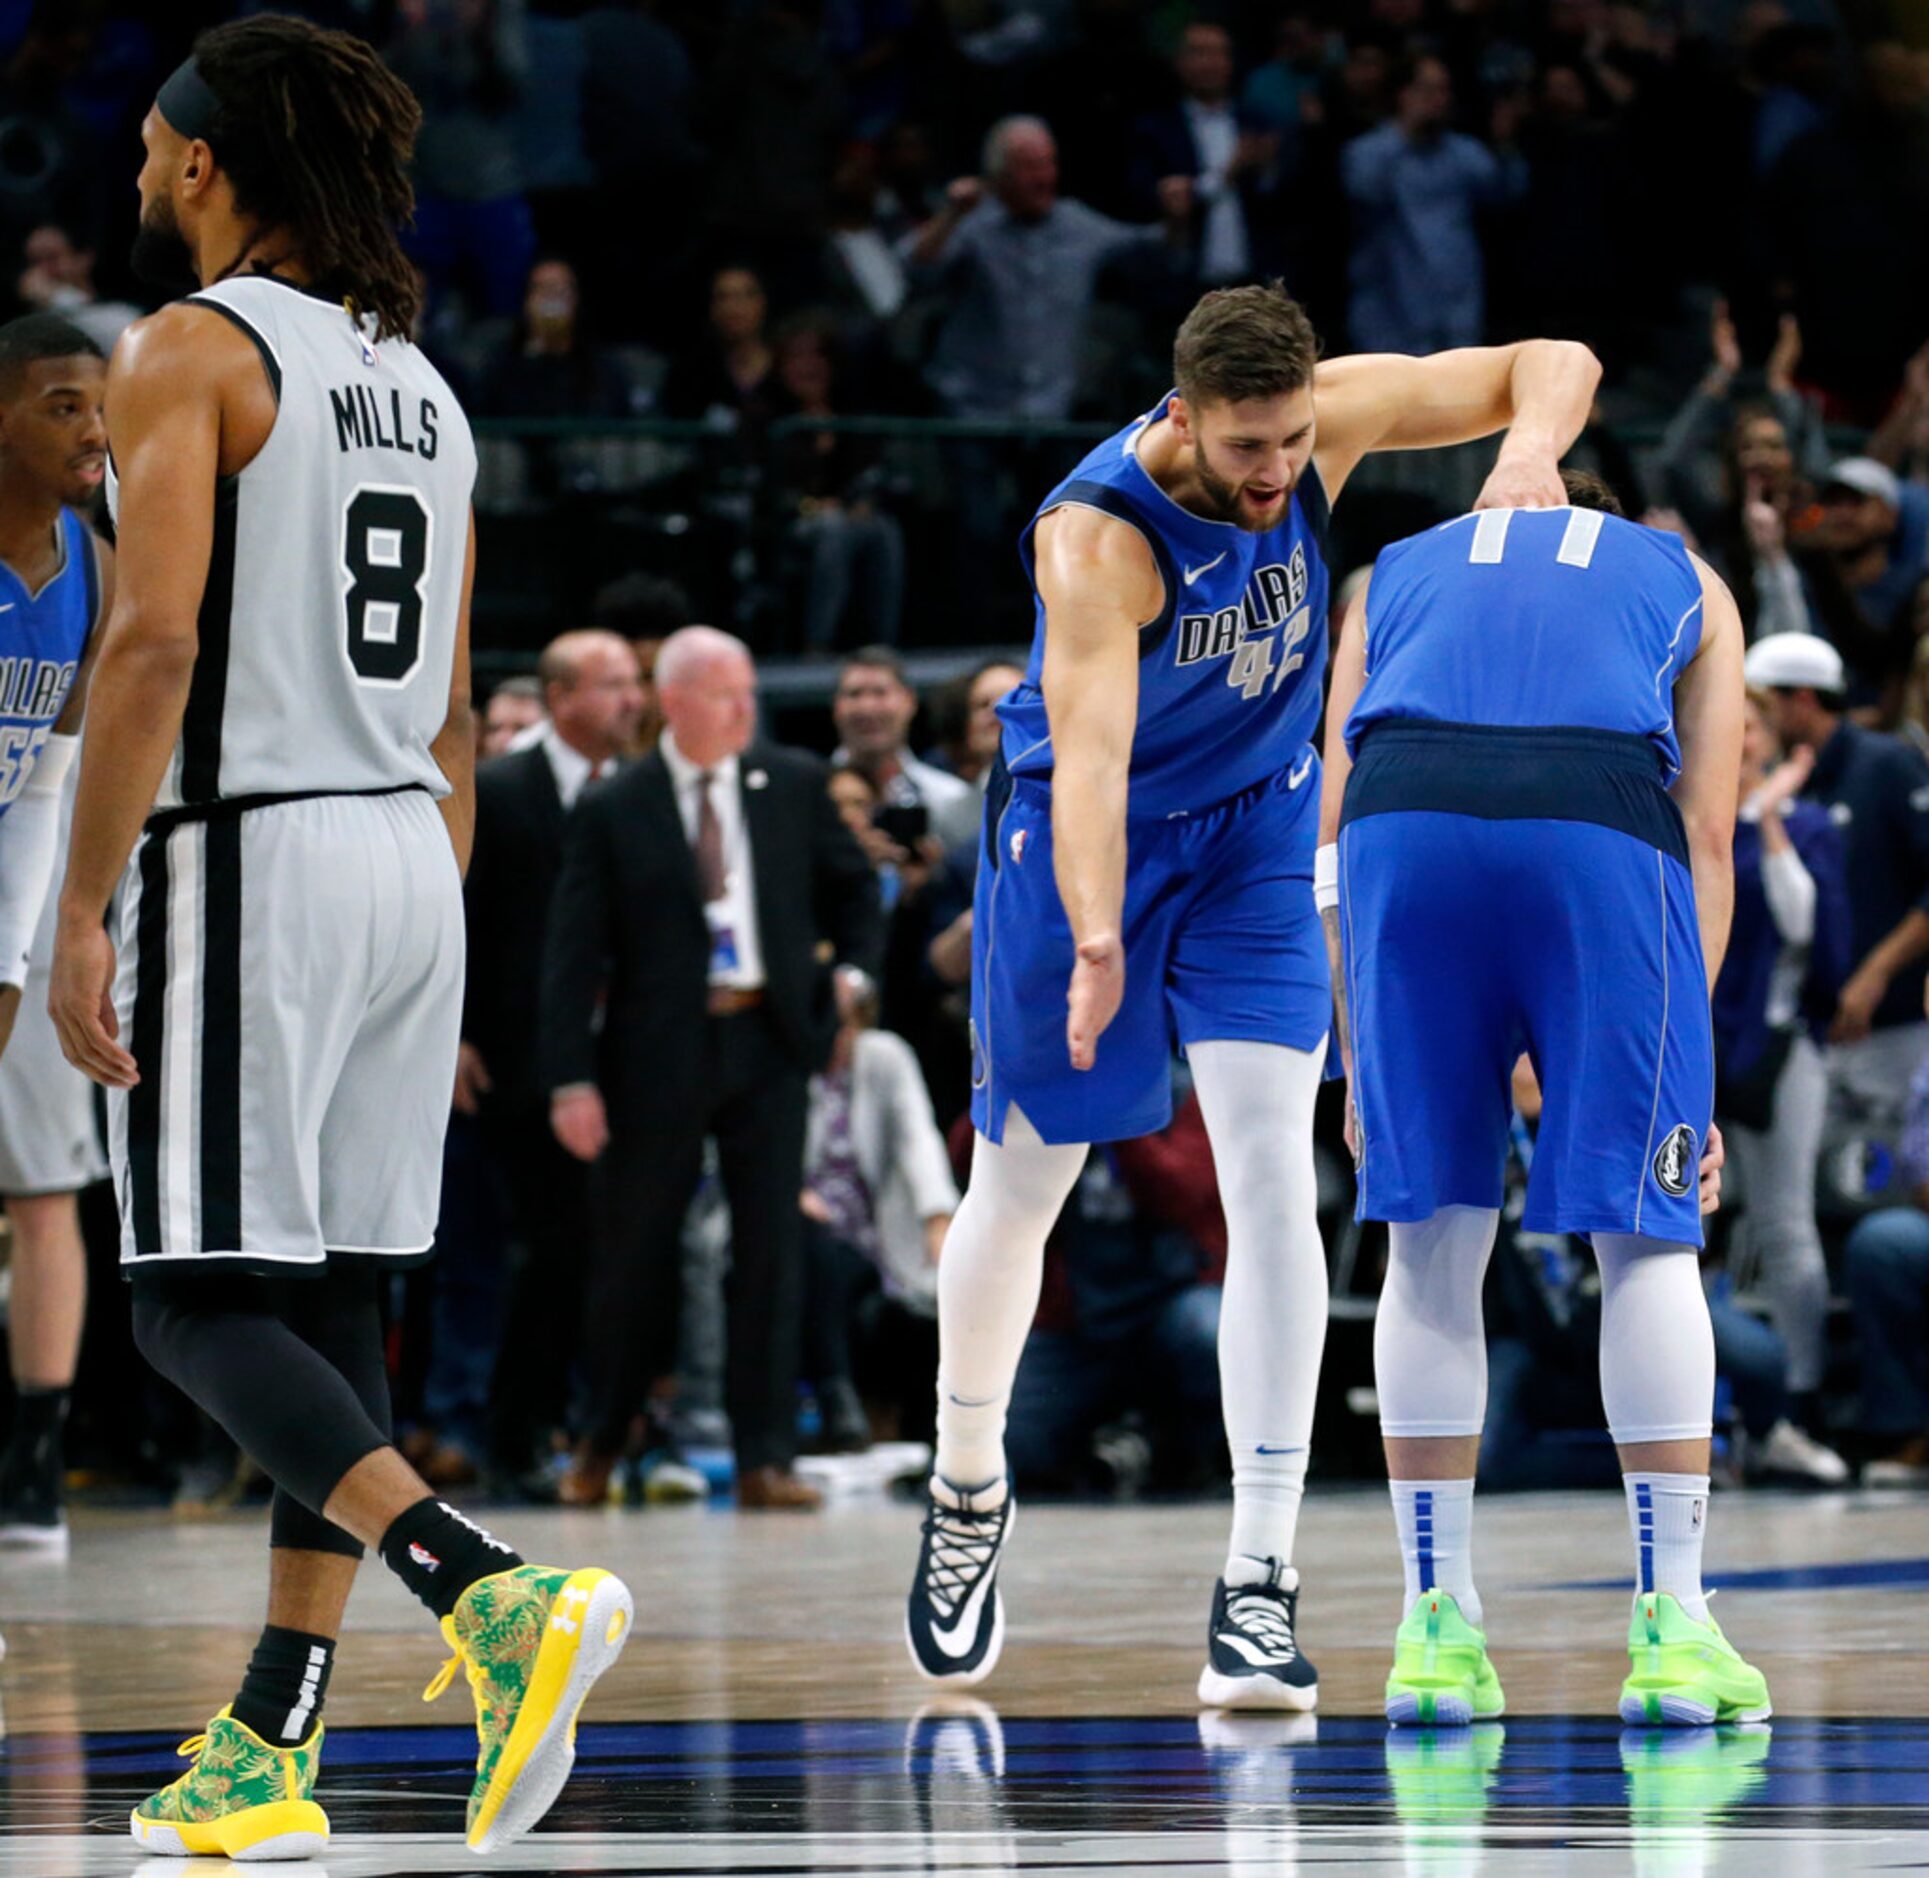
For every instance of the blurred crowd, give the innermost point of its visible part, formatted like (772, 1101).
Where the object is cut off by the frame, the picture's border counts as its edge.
(723, 236)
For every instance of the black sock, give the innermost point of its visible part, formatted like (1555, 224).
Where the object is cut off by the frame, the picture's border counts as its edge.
(438, 1554)
(35, 1459)
(281, 1695)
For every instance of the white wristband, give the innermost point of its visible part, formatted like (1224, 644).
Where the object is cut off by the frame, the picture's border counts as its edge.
(1326, 876)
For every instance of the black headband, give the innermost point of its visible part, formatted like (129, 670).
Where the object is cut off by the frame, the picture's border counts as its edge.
(188, 103)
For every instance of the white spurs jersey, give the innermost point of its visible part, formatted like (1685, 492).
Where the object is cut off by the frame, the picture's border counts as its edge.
(328, 626)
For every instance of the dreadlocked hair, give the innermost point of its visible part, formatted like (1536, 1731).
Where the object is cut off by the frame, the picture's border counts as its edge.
(315, 133)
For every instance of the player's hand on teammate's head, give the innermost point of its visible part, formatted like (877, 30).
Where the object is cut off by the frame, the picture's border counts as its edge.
(1523, 483)
(1092, 1001)
(1713, 1158)
(81, 1003)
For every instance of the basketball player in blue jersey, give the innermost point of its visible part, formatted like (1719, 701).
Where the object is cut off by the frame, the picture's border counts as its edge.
(1147, 870)
(54, 577)
(1529, 805)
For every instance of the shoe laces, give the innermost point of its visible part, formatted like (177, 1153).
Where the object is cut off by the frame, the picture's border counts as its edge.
(960, 1546)
(1261, 1612)
(443, 1677)
(192, 1746)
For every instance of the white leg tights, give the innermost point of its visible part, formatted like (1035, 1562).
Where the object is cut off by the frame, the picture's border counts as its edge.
(988, 1279)
(1257, 1099)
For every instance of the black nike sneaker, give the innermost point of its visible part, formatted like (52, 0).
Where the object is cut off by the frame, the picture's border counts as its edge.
(954, 1622)
(1253, 1657)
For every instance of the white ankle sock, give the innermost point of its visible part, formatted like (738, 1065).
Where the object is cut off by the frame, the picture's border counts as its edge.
(1436, 1519)
(1267, 1487)
(1669, 1516)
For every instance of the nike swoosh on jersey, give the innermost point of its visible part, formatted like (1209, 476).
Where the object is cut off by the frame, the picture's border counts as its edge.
(1193, 573)
(1293, 782)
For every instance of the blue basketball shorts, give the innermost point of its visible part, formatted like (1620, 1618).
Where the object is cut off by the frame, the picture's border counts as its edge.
(1222, 941)
(1472, 939)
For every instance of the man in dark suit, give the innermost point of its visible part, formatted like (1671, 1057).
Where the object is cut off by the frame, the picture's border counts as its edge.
(1233, 168)
(592, 688)
(719, 910)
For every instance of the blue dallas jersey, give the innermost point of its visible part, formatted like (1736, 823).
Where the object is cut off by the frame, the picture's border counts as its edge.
(1230, 671)
(42, 639)
(1530, 618)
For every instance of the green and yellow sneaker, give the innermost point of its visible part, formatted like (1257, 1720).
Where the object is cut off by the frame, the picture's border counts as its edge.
(242, 1799)
(1686, 1675)
(1441, 1676)
(531, 1641)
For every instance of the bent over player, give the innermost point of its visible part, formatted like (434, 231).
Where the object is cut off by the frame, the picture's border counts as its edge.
(280, 720)
(1532, 743)
(1147, 861)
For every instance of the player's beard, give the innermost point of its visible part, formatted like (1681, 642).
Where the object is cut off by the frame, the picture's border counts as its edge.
(161, 255)
(1223, 496)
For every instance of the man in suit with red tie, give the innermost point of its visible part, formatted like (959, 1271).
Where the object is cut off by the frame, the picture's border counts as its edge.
(716, 905)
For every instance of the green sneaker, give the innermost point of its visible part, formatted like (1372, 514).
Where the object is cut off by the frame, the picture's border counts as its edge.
(1441, 1676)
(242, 1799)
(532, 1641)
(1686, 1675)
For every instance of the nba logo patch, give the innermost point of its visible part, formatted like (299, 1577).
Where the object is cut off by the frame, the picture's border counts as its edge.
(1018, 839)
(424, 1557)
(1674, 1161)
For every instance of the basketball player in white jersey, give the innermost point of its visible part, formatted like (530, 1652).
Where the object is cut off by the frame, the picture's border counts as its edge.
(280, 739)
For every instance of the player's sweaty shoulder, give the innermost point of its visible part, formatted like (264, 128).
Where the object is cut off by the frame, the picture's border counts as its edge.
(1094, 561)
(186, 357)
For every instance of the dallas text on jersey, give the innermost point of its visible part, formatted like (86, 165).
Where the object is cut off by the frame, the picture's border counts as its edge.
(1273, 593)
(360, 425)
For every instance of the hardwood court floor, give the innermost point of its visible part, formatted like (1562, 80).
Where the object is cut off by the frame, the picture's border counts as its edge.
(765, 1718)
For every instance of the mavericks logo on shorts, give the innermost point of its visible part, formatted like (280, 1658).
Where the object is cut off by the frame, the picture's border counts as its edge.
(1674, 1161)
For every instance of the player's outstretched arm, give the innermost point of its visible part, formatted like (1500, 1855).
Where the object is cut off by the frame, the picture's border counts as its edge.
(1349, 675)
(1100, 584)
(1708, 705)
(454, 748)
(164, 424)
(1539, 391)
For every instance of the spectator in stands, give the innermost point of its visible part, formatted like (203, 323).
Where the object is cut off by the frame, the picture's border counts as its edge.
(59, 278)
(1016, 266)
(1886, 1268)
(551, 366)
(873, 708)
(1719, 449)
(878, 1196)
(1128, 1317)
(1418, 190)
(863, 275)
(730, 379)
(646, 609)
(689, 991)
(1876, 788)
(1201, 136)
(473, 229)
(514, 706)
(593, 696)
(828, 494)
(1876, 528)
(970, 753)
(1788, 954)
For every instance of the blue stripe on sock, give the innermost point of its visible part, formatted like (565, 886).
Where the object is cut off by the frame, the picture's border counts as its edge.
(1423, 1536)
(1644, 1524)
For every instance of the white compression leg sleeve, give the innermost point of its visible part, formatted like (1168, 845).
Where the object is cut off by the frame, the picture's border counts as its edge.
(1257, 1099)
(1429, 1342)
(988, 1279)
(1657, 1345)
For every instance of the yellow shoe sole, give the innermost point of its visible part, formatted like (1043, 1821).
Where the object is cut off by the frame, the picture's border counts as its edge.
(589, 1623)
(287, 1829)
